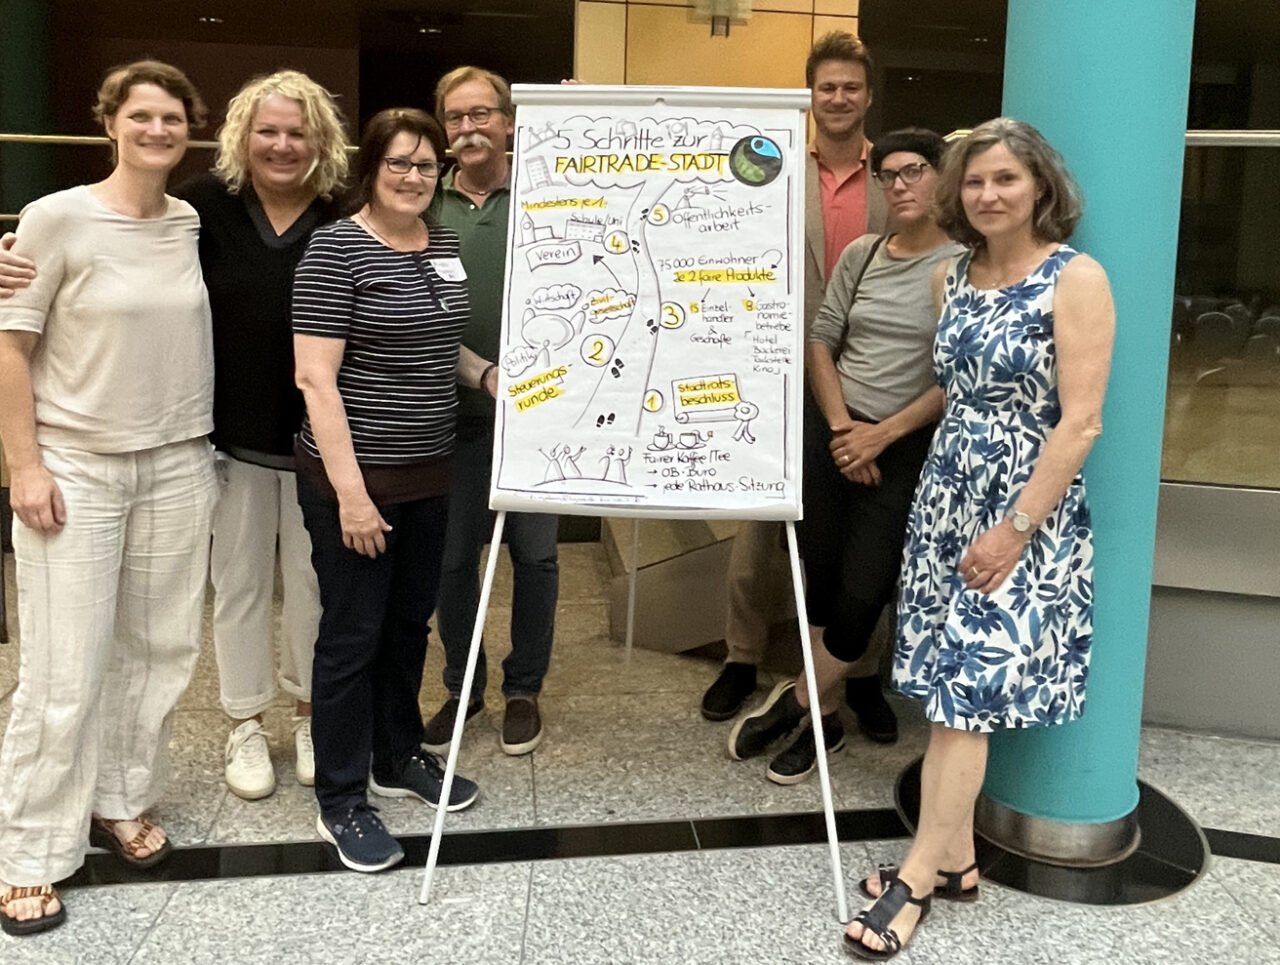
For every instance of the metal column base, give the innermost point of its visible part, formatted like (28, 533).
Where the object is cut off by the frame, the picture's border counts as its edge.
(1057, 842)
(1169, 855)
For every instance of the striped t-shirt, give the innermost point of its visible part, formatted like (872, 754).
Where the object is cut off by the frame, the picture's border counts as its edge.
(402, 320)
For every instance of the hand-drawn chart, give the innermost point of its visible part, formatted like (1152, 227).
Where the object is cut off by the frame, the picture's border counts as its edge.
(652, 333)
(652, 336)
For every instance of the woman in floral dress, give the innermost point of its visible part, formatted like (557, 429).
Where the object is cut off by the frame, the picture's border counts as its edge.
(996, 614)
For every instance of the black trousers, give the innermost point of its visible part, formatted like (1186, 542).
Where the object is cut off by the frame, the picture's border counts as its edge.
(372, 643)
(851, 535)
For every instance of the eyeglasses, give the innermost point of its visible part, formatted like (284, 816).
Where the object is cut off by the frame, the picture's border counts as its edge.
(401, 165)
(910, 174)
(478, 115)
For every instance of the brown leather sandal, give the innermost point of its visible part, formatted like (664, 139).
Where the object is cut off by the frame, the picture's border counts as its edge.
(30, 926)
(102, 836)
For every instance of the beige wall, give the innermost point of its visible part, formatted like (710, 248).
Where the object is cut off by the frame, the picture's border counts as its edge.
(656, 42)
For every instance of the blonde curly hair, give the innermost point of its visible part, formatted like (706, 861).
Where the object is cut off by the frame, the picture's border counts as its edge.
(321, 120)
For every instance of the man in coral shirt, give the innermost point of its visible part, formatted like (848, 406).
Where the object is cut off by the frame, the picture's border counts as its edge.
(838, 208)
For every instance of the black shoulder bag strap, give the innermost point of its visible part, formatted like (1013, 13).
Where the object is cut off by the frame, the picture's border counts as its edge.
(853, 296)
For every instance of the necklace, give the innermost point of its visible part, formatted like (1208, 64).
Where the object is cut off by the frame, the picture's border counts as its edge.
(476, 191)
(364, 220)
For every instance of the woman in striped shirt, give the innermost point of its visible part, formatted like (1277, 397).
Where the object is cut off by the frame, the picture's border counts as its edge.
(379, 305)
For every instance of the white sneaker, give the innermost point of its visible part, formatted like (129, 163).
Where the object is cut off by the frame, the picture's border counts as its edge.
(249, 772)
(305, 761)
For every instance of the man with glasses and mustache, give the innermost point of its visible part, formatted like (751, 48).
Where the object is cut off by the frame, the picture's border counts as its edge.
(474, 105)
(840, 205)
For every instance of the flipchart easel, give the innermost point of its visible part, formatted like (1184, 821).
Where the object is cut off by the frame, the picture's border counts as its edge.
(652, 325)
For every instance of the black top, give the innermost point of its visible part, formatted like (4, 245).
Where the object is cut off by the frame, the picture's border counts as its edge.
(401, 315)
(248, 270)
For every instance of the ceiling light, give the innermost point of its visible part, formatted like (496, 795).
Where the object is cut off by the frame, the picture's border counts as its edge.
(210, 20)
(721, 13)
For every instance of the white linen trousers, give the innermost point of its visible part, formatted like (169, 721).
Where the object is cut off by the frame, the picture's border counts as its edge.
(257, 505)
(109, 612)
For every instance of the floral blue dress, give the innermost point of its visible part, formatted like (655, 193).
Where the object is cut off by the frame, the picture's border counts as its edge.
(1018, 657)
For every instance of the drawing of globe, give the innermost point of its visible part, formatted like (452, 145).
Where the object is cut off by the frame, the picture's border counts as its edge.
(755, 161)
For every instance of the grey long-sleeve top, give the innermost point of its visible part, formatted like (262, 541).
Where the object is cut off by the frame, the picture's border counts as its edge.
(885, 335)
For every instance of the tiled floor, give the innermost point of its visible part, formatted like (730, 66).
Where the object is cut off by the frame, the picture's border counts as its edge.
(625, 742)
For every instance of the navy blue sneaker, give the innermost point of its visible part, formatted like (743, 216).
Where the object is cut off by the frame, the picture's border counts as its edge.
(423, 777)
(362, 840)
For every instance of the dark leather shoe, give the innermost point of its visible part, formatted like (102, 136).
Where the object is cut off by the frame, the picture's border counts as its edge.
(798, 761)
(876, 718)
(521, 726)
(777, 717)
(725, 697)
(438, 734)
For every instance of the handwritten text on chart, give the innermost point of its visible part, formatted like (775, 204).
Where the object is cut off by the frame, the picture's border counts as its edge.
(632, 163)
(564, 203)
(715, 275)
(711, 390)
(538, 389)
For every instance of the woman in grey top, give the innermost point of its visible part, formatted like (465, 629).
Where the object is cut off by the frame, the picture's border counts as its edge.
(867, 428)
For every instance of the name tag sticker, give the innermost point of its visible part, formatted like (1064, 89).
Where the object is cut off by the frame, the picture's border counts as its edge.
(450, 269)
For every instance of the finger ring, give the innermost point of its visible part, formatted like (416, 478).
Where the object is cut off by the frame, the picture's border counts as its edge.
(973, 572)
(844, 460)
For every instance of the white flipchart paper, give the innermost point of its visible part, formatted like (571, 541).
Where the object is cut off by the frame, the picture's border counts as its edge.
(652, 336)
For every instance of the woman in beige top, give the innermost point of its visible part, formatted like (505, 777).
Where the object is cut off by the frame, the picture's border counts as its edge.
(106, 386)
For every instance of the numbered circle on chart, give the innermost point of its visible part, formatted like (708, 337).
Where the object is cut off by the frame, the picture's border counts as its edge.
(749, 304)
(672, 315)
(597, 350)
(659, 214)
(617, 242)
(653, 401)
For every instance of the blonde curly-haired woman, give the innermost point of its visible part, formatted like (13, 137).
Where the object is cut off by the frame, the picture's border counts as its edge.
(281, 160)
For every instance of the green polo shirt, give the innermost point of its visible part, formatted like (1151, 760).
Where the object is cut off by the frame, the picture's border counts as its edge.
(482, 232)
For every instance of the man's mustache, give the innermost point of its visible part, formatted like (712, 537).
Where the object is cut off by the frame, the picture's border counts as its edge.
(474, 139)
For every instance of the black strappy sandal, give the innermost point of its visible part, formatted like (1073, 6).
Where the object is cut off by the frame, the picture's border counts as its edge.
(952, 890)
(877, 918)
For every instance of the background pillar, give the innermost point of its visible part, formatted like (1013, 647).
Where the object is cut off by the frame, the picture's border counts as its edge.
(1106, 81)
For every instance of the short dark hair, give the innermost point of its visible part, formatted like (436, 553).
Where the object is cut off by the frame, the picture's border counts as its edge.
(120, 80)
(918, 140)
(1057, 210)
(837, 45)
(378, 134)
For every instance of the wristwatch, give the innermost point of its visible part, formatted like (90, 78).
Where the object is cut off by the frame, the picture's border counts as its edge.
(1021, 522)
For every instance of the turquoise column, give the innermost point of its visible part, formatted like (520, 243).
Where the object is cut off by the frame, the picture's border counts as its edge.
(1107, 82)
(25, 85)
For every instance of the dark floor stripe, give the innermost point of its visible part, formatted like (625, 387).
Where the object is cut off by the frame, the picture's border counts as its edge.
(559, 843)
(1238, 844)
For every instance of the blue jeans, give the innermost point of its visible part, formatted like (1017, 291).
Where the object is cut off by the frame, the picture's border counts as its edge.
(531, 540)
(371, 645)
